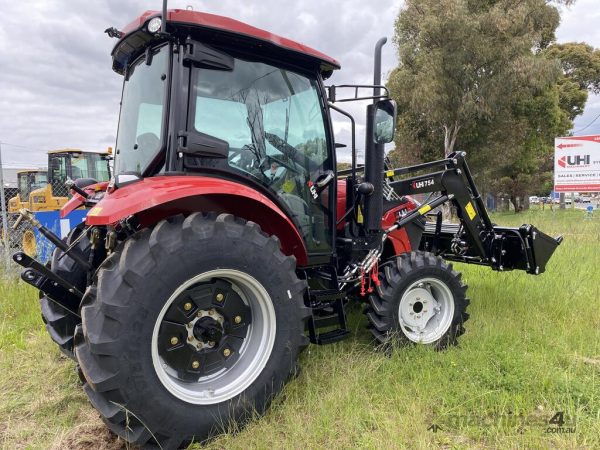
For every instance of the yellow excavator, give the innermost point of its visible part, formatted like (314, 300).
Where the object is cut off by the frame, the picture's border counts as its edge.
(63, 165)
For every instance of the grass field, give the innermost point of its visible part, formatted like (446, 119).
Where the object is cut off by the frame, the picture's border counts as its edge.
(532, 349)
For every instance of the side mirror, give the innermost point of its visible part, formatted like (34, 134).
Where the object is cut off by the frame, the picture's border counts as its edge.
(384, 125)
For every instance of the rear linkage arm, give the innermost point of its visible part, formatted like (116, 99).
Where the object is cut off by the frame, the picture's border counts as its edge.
(59, 290)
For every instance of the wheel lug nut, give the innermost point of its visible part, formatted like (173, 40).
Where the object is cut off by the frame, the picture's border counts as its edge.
(195, 365)
(199, 346)
(190, 338)
(211, 312)
(237, 319)
(226, 352)
(211, 344)
(187, 306)
(174, 340)
(199, 314)
(220, 297)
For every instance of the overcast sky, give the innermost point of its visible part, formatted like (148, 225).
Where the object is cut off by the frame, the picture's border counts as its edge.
(57, 88)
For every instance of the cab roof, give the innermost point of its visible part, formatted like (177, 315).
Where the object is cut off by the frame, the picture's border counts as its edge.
(74, 150)
(232, 28)
(32, 171)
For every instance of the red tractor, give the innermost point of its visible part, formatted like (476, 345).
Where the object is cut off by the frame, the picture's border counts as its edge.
(228, 241)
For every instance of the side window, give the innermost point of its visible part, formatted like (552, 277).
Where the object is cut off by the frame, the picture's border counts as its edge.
(299, 120)
(23, 188)
(274, 124)
(58, 171)
(79, 167)
(223, 119)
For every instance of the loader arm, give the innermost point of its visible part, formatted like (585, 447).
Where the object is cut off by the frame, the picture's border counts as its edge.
(474, 239)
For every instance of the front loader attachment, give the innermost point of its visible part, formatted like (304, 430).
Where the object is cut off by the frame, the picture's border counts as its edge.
(474, 239)
(524, 248)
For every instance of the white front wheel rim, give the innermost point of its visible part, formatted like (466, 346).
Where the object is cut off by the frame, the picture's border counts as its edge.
(426, 310)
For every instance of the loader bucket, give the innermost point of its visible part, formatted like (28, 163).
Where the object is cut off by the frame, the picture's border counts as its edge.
(525, 248)
(541, 247)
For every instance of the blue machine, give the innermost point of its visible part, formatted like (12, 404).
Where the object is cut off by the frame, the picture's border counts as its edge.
(61, 227)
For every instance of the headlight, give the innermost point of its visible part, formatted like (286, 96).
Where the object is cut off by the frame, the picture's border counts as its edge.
(154, 25)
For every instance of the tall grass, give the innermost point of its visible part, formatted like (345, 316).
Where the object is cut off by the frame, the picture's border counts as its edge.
(532, 349)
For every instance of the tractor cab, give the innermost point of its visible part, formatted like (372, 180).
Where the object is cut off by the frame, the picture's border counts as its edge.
(27, 181)
(251, 108)
(76, 164)
(68, 164)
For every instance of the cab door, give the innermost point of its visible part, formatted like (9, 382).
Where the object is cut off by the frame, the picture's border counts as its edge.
(276, 128)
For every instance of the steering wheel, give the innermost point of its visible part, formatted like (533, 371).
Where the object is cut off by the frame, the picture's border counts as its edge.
(282, 163)
(148, 142)
(291, 152)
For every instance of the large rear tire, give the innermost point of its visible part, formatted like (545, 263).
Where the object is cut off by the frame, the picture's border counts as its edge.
(59, 322)
(421, 300)
(191, 328)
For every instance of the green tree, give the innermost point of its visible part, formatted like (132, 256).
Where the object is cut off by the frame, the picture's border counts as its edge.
(580, 63)
(463, 61)
(485, 77)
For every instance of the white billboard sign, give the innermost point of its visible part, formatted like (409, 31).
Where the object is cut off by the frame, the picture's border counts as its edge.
(577, 164)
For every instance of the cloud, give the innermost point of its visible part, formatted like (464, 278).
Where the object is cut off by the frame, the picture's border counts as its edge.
(57, 88)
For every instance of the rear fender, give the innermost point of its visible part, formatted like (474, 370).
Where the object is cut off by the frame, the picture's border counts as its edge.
(153, 199)
(76, 201)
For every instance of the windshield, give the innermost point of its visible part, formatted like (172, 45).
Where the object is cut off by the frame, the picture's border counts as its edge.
(141, 120)
(78, 165)
(38, 180)
(30, 181)
(274, 123)
(89, 165)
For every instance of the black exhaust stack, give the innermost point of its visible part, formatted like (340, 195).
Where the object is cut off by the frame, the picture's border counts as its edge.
(374, 154)
(163, 23)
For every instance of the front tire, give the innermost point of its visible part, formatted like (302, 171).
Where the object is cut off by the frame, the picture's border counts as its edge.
(192, 327)
(421, 300)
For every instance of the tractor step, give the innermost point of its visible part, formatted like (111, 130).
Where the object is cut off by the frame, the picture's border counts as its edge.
(330, 337)
(331, 314)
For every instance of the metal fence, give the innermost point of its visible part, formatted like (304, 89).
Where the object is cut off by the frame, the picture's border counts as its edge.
(45, 202)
